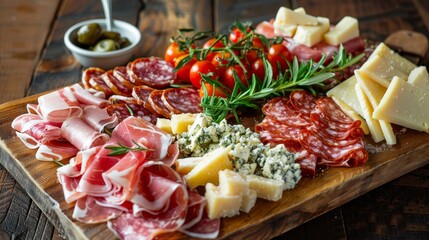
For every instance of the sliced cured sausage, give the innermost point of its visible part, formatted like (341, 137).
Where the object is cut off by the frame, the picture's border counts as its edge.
(115, 85)
(157, 104)
(121, 74)
(141, 95)
(89, 73)
(151, 71)
(97, 83)
(182, 100)
(125, 109)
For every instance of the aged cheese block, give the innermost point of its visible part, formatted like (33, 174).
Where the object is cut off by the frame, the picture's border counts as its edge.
(405, 104)
(419, 77)
(248, 201)
(180, 122)
(394, 59)
(381, 70)
(207, 171)
(345, 30)
(164, 124)
(266, 188)
(232, 183)
(283, 28)
(310, 35)
(185, 165)
(367, 110)
(221, 205)
(374, 92)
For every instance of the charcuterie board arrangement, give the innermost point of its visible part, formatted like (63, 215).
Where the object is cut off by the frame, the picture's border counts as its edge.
(156, 149)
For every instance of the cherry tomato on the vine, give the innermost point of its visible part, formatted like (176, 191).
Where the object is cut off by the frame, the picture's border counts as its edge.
(279, 54)
(220, 61)
(228, 79)
(173, 52)
(253, 54)
(258, 68)
(183, 72)
(236, 35)
(211, 91)
(200, 67)
(211, 43)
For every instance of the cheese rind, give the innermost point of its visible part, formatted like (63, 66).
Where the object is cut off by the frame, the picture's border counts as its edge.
(310, 35)
(221, 205)
(266, 188)
(343, 31)
(207, 171)
(419, 77)
(405, 104)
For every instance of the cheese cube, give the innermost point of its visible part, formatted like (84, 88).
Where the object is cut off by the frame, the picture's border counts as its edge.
(266, 188)
(180, 122)
(345, 30)
(287, 16)
(185, 165)
(232, 183)
(207, 171)
(310, 35)
(164, 124)
(374, 92)
(367, 110)
(394, 59)
(381, 70)
(419, 77)
(221, 205)
(352, 114)
(248, 201)
(281, 28)
(405, 104)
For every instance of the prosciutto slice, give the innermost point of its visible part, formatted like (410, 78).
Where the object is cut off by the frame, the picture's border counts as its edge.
(99, 118)
(81, 135)
(85, 97)
(59, 105)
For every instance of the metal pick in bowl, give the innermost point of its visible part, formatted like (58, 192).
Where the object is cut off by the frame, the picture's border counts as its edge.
(107, 7)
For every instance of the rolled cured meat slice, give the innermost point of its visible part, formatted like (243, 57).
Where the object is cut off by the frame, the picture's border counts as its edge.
(55, 151)
(81, 135)
(151, 71)
(182, 100)
(59, 105)
(98, 118)
(158, 105)
(89, 73)
(115, 85)
(87, 98)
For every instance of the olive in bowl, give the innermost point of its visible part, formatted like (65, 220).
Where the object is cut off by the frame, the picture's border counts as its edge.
(93, 46)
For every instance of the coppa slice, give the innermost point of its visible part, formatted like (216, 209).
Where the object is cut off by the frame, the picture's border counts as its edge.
(182, 100)
(153, 72)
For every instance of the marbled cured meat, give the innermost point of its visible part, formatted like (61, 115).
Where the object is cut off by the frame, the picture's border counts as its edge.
(87, 98)
(151, 71)
(121, 74)
(158, 105)
(115, 85)
(182, 100)
(99, 118)
(89, 73)
(125, 109)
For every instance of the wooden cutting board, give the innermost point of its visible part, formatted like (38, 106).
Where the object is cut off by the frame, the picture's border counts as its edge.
(311, 198)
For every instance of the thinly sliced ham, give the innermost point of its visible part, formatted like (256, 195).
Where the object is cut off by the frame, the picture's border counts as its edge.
(87, 210)
(85, 97)
(99, 118)
(59, 105)
(55, 151)
(81, 135)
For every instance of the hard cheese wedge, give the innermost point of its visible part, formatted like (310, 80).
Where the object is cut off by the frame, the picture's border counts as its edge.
(405, 104)
(207, 171)
(381, 70)
(310, 35)
(375, 92)
(287, 16)
(282, 27)
(164, 124)
(394, 59)
(345, 30)
(266, 188)
(419, 77)
(185, 165)
(180, 122)
(232, 183)
(221, 205)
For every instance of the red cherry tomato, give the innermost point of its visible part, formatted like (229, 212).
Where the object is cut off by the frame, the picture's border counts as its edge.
(173, 52)
(183, 72)
(212, 91)
(228, 79)
(253, 54)
(199, 67)
(236, 35)
(211, 43)
(220, 61)
(258, 68)
(279, 54)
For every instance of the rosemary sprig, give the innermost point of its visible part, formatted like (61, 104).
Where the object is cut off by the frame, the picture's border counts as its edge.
(121, 149)
(304, 75)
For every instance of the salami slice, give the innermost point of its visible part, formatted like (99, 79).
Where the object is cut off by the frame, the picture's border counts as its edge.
(115, 85)
(332, 111)
(303, 101)
(153, 72)
(307, 162)
(97, 82)
(141, 95)
(89, 73)
(182, 100)
(121, 99)
(283, 111)
(124, 110)
(155, 100)
(121, 74)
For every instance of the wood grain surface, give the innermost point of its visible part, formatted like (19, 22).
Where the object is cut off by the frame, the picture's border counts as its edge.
(33, 59)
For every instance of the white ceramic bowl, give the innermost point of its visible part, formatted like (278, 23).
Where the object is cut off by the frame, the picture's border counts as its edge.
(104, 60)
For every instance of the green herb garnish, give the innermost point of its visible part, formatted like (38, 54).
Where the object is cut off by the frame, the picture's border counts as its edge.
(121, 149)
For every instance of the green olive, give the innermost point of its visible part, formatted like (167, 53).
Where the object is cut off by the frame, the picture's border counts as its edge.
(89, 34)
(124, 42)
(105, 46)
(111, 35)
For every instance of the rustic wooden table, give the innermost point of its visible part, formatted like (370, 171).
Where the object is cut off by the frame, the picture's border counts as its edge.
(34, 59)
